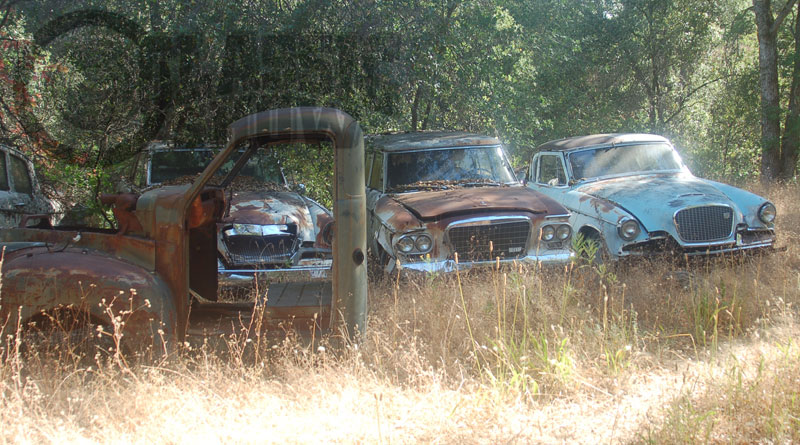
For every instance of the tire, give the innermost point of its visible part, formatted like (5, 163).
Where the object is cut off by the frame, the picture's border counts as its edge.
(601, 255)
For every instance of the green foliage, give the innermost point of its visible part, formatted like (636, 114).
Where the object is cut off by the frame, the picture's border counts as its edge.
(131, 71)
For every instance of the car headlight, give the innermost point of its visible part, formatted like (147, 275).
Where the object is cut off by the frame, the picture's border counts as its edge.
(260, 229)
(414, 244)
(629, 229)
(423, 243)
(548, 233)
(405, 244)
(563, 232)
(767, 213)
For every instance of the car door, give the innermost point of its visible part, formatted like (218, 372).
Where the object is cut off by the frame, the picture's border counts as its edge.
(374, 182)
(548, 176)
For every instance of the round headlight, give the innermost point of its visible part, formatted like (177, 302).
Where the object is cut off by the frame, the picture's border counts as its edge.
(423, 243)
(767, 213)
(629, 229)
(405, 244)
(548, 233)
(563, 232)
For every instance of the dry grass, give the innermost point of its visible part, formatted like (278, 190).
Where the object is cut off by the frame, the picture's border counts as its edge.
(579, 354)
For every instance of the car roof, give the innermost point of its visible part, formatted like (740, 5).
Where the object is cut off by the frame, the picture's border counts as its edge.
(594, 140)
(421, 140)
(154, 146)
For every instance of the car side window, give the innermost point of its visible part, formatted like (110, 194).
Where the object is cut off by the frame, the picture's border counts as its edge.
(551, 171)
(3, 172)
(376, 178)
(20, 176)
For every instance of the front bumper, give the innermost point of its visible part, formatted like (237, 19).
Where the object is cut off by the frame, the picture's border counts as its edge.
(446, 266)
(745, 241)
(247, 277)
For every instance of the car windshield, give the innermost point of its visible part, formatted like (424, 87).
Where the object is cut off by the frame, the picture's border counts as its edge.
(623, 159)
(448, 167)
(173, 165)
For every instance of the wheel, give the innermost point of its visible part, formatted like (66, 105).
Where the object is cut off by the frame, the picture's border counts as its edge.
(594, 249)
(67, 334)
(376, 265)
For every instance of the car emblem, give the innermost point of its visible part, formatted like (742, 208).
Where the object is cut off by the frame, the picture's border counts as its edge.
(483, 203)
(726, 215)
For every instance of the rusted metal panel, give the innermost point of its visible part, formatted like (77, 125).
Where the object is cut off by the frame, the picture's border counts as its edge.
(41, 279)
(434, 204)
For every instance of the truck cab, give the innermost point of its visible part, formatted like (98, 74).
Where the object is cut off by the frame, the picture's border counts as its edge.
(157, 271)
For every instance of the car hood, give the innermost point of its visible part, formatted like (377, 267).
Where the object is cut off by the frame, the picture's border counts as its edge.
(428, 205)
(258, 207)
(648, 196)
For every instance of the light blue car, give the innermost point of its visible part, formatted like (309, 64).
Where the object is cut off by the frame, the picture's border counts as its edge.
(633, 196)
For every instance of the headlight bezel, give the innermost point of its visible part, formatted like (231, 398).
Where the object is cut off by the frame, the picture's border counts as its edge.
(555, 232)
(560, 231)
(547, 233)
(774, 211)
(628, 223)
(413, 241)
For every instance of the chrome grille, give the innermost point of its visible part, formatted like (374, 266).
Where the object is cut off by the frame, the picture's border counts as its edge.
(508, 240)
(253, 250)
(706, 223)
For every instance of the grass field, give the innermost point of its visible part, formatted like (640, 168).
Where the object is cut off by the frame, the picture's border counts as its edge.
(656, 353)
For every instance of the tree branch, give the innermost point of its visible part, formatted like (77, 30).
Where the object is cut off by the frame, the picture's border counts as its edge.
(787, 8)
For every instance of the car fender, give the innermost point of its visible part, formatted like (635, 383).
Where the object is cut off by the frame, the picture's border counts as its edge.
(393, 218)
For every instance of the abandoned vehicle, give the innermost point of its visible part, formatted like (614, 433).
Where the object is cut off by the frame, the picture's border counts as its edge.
(631, 194)
(435, 196)
(268, 228)
(20, 193)
(153, 280)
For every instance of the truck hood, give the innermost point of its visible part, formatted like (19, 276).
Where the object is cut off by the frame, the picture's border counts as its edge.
(437, 204)
(649, 196)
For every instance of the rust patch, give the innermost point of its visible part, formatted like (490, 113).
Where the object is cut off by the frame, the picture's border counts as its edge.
(435, 204)
(325, 231)
(124, 208)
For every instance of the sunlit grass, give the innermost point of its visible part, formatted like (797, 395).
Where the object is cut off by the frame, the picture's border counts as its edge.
(654, 353)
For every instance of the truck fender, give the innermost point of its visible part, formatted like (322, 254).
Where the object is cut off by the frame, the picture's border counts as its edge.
(120, 295)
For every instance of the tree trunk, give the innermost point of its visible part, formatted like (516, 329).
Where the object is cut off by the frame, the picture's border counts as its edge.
(791, 132)
(768, 81)
(415, 109)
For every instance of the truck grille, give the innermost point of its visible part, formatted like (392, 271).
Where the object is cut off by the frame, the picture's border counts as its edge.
(703, 224)
(255, 250)
(508, 238)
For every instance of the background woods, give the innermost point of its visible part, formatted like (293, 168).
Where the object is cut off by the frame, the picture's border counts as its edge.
(85, 85)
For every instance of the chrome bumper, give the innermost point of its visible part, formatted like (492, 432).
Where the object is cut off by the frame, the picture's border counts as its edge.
(451, 266)
(246, 277)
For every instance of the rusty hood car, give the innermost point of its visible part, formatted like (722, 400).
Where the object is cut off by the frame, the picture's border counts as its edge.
(432, 195)
(632, 195)
(268, 227)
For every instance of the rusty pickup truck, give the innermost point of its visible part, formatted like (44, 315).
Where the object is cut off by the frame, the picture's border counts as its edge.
(156, 273)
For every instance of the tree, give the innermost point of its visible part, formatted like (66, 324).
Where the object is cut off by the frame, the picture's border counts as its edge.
(779, 155)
